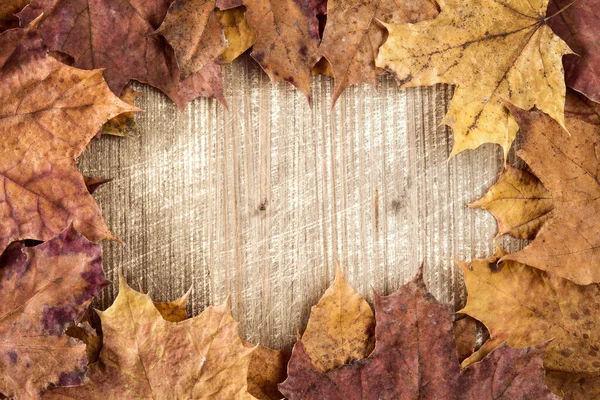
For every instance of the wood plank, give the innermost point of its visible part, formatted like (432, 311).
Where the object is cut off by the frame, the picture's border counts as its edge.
(256, 202)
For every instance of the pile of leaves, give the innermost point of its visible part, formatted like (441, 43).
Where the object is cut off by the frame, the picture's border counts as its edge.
(518, 66)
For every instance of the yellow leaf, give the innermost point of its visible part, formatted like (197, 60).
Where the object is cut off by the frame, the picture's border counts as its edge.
(526, 306)
(340, 327)
(495, 52)
(240, 37)
(519, 202)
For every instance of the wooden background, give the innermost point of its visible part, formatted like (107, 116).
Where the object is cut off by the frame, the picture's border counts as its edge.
(256, 202)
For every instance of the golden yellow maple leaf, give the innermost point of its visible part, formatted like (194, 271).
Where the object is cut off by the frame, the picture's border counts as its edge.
(524, 306)
(146, 356)
(494, 52)
(519, 202)
(340, 327)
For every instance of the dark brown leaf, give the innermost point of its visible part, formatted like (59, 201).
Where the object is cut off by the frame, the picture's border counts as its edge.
(415, 357)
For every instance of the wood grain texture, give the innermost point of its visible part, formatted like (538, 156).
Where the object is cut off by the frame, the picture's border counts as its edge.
(256, 203)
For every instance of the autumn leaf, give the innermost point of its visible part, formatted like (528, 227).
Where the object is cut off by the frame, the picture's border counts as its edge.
(287, 37)
(415, 357)
(353, 36)
(48, 114)
(44, 289)
(568, 245)
(266, 370)
(494, 52)
(122, 123)
(99, 34)
(145, 356)
(340, 327)
(526, 306)
(193, 29)
(465, 336)
(240, 37)
(519, 202)
(578, 26)
(8, 13)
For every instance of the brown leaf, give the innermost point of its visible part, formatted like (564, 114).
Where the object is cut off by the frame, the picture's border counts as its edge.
(526, 306)
(240, 37)
(495, 52)
(92, 184)
(353, 36)
(145, 356)
(287, 37)
(340, 327)
(519, 202)
(578, 24)
(465, 336)
(174, 311)
(267, 369)
(122, 123)
(415, 357)
(48, 114)
(568, 245)
(98, 35)
(44, 289)
(193, 29)
(8, 13)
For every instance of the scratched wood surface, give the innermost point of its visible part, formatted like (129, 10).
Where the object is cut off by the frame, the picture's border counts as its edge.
(256, 202)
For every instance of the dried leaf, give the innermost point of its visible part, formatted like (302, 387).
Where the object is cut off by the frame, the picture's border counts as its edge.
(578, 26)
(48, 114)
(193, 29)
(240, 37)
(568, 245)
(44, 289)
(494, 51)
(287, 37)
(98, 34)
(266, 370)
(8, 13)
(145, 356)
(122, 123)
(174, 311)
(340, 327)
(526, 306)
(415, 357)
(465, 336)
(352, 36)
(519, 202)
(92, 184)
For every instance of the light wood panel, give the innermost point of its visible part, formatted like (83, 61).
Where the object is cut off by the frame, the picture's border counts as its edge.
(256, 202)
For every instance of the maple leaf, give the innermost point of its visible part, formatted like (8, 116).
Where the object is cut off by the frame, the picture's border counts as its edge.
(465, 336)
(123, 123)
(519, 202)
(48, 114)
(352, 36)
(526, 306)
(415, 357)
(97, 35)
(44, 289)
(578, 25)
(145, 356)
(193, 29)
(340, 327)
(568, 244)
(494, 51)
(287, 37)
(266, 370)
(240, 37)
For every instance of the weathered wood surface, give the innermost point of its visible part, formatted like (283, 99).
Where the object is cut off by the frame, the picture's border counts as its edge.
(257, 202)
